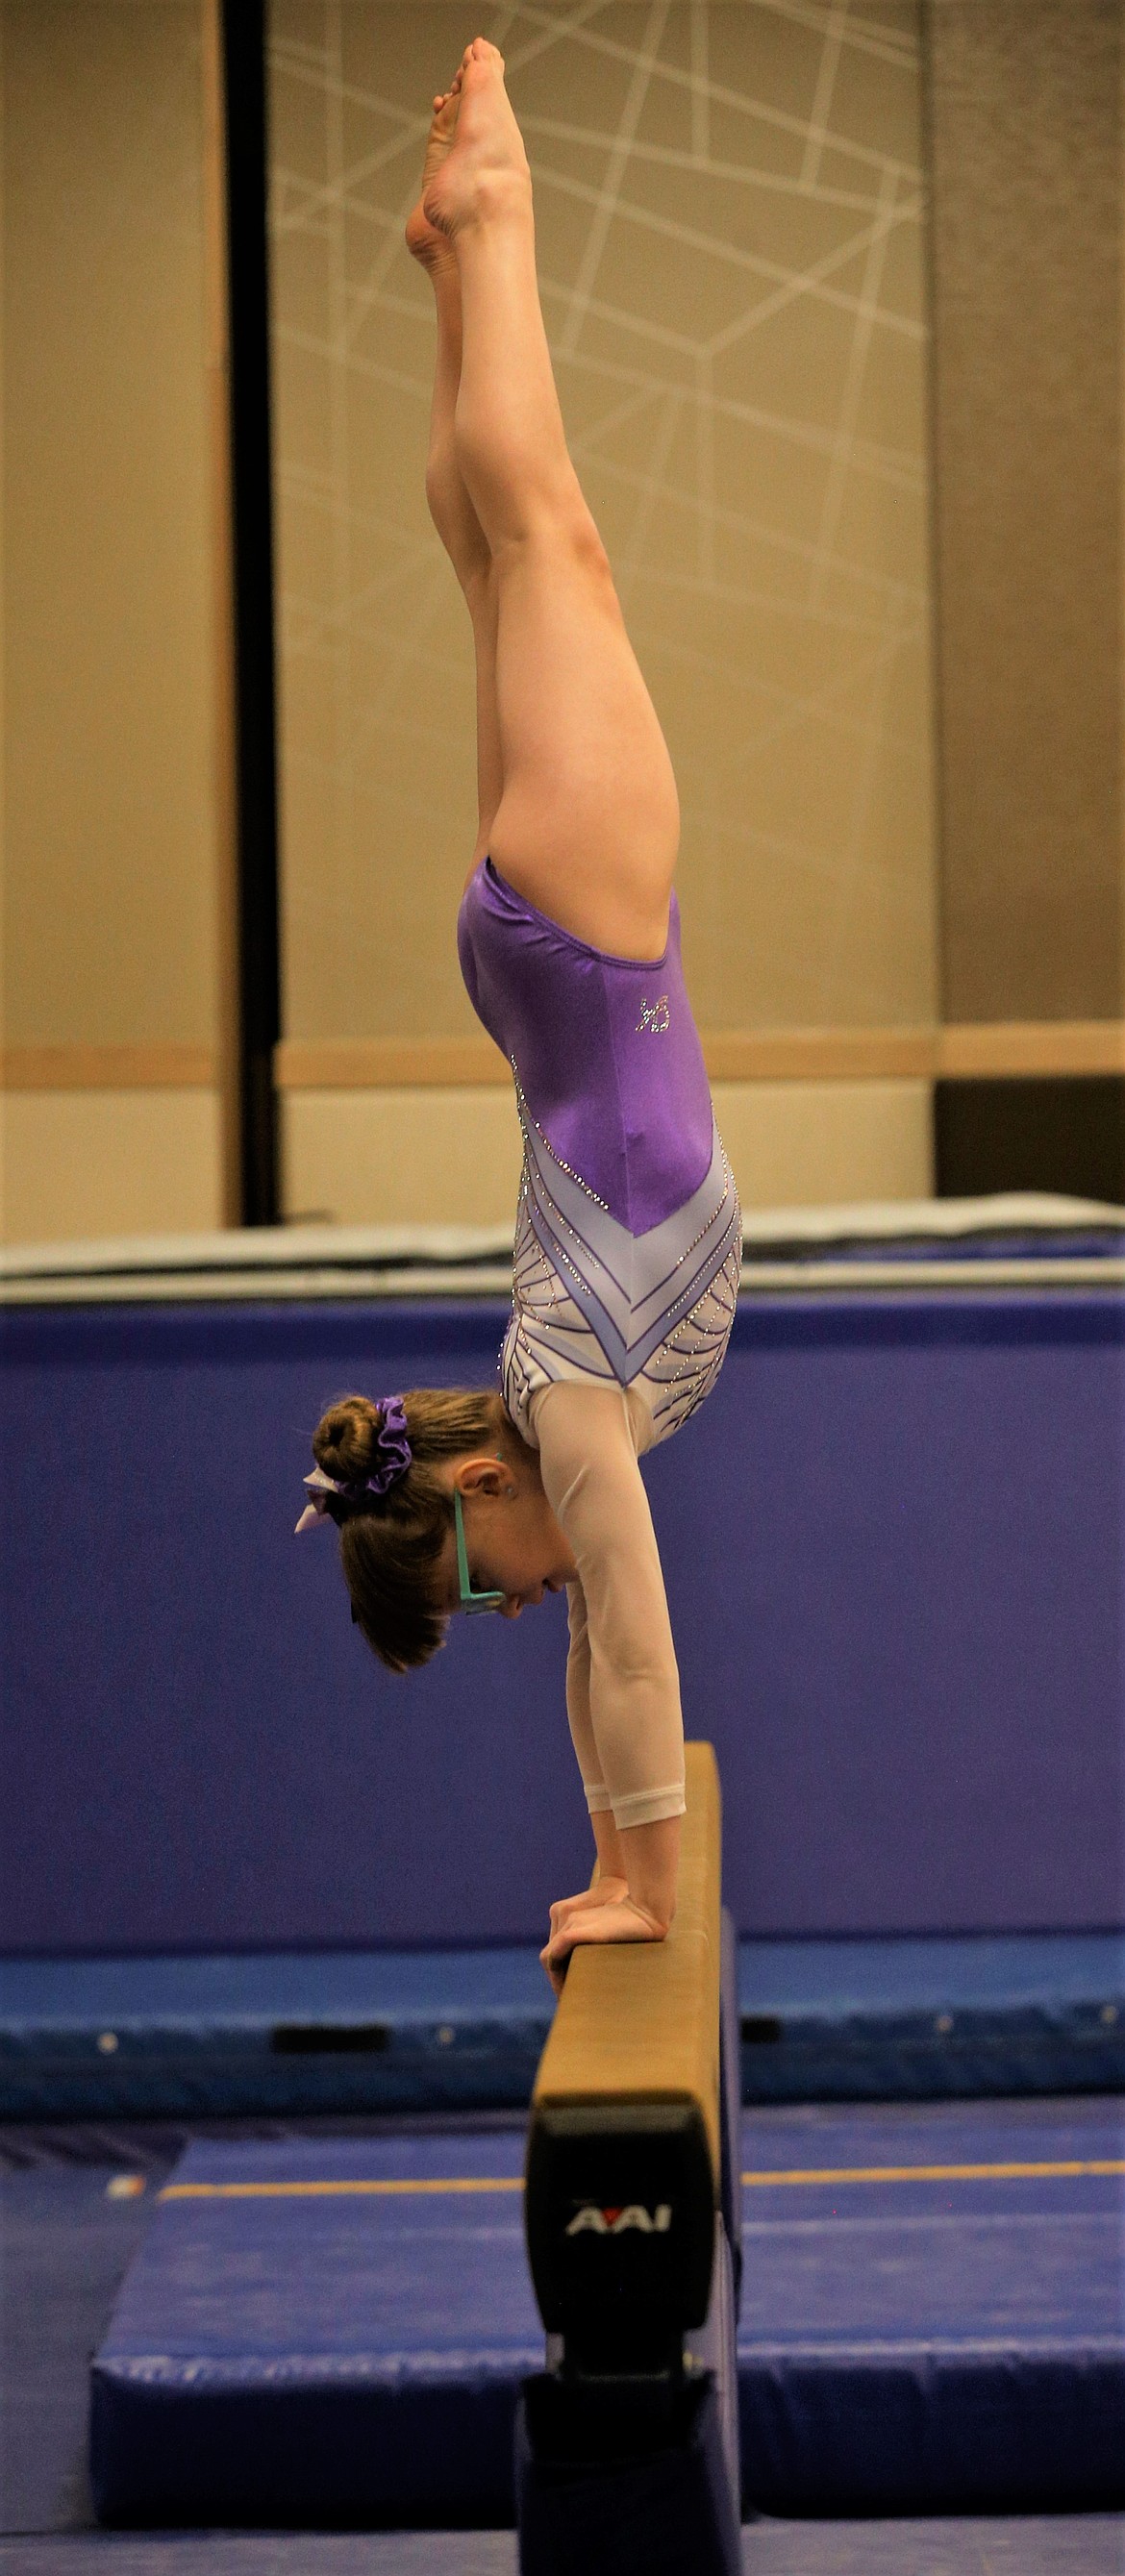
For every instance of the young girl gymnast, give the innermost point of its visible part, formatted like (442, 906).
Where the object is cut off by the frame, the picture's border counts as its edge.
(628, 1234)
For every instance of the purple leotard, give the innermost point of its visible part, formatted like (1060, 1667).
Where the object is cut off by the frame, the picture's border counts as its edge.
(607, 1051)
(626, 1189)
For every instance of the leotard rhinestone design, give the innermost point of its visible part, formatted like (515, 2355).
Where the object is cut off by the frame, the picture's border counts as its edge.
(592, 1301)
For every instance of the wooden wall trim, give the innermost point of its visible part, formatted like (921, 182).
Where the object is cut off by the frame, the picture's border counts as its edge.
(1031, 1046)
(996, 1048)
(956, 1052)
(108, 1068)
(819, 1055)
(742, 1055)
(388, 1064)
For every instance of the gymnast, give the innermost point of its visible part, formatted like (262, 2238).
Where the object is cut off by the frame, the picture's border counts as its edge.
(628, 1235)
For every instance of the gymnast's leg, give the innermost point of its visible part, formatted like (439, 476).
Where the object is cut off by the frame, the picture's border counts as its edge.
(587, 824)
(451, 509)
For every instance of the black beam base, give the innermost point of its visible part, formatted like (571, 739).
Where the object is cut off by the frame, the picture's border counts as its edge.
(624, 2482)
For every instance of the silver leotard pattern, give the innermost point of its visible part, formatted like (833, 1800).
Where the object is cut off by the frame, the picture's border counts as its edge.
(590, 1300)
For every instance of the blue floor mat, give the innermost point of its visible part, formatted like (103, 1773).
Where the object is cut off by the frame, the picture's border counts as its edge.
(67, 2239)
(1055, 2545)
(294, 2034)
(941, 2339)
(333, 2330)
(65, 2247)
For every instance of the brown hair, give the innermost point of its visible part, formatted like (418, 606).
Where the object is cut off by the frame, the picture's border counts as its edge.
(391, 1544)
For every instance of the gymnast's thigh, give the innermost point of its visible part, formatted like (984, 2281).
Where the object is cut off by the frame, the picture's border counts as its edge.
(588, 822)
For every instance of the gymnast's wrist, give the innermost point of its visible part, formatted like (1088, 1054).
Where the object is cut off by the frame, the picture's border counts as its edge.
(657, 1926)
(651, 1856)
(610, 1849)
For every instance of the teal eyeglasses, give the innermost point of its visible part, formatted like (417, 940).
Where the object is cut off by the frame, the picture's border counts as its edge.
(470, 1601)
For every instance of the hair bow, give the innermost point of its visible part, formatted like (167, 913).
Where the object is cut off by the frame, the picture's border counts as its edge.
(393, 1457)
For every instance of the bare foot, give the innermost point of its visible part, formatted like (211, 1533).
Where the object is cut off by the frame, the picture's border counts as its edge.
(422, 237)
(485, 152)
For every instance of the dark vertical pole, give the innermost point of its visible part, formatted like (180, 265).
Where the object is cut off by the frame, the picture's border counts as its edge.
(258, 967)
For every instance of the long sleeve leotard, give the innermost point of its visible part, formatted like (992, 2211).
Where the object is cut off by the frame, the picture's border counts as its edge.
(622, 1681)
(627, 1252)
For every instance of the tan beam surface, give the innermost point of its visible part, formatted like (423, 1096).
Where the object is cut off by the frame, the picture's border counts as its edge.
(639, 2021)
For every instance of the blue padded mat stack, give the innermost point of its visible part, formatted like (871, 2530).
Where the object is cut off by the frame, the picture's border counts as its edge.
(321, 2332)
(900, 2020)
(330, 2331)
(933, 2315)
(451, 2030)
(287, 2035)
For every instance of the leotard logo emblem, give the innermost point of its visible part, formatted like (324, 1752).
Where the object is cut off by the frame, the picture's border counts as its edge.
(655, 1016)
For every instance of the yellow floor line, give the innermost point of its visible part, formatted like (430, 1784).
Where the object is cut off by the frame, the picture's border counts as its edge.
(331, 2190)
(796, 2176)
(937, 2173)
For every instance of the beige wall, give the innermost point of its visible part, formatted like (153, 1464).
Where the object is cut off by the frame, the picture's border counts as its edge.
(83, 1164)
(729, 231)
(1026, 122)
(433, 1157)
(109, 851)
(826, 1143)
(730, 226)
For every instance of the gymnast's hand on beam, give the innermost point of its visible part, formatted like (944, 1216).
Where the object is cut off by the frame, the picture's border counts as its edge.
(621, 1919)
(606, 1889)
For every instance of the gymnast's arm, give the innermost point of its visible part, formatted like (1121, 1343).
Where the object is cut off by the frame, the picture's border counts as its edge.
(623, 1694)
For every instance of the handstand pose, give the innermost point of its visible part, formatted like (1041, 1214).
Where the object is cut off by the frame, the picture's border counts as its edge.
(628, 1232)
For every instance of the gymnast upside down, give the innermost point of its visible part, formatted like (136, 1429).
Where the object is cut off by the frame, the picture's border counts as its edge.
(628, 1232)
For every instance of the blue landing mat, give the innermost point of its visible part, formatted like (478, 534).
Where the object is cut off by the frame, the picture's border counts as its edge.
(291, 2034)
(330, 2331)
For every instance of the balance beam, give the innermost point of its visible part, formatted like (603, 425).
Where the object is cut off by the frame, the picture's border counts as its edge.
(627, 2443)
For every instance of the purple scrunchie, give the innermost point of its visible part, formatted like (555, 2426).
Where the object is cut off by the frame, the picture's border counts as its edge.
(393, 1457)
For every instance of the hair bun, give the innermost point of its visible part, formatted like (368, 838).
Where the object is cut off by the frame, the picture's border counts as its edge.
(345, 1439)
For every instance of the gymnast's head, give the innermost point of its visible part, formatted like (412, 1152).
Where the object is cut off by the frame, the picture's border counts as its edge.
(440, 1507)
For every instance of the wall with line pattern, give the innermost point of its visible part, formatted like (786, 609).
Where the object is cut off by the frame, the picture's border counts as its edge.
(731, 215)
(729, 233)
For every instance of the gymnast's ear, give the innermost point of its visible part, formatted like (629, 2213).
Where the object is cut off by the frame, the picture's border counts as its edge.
(483, 1475)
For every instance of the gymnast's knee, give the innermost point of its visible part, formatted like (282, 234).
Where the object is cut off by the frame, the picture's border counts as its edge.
(531, 503)
(556, 540)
